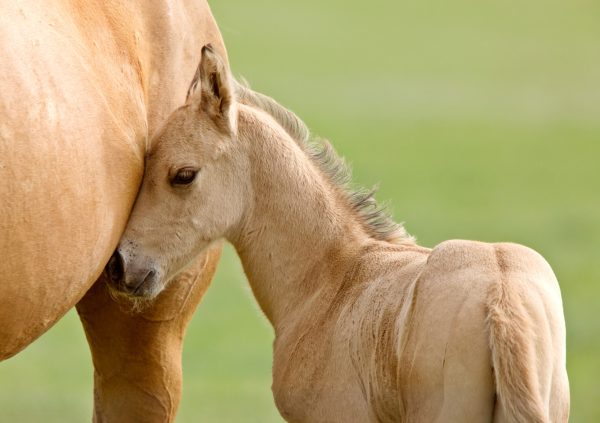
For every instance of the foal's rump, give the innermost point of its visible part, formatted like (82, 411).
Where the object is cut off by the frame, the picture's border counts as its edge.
(527, 338)
(487, 336)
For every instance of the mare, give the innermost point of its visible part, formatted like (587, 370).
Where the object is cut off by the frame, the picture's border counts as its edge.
(83, 85)
(368, 325)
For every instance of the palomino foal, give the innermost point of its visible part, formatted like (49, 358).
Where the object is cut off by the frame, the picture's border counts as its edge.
(368, 325)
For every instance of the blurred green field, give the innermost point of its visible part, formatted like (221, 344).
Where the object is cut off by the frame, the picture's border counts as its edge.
(480, 120)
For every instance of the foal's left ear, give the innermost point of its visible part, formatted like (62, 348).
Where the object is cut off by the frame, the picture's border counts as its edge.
(211, 90)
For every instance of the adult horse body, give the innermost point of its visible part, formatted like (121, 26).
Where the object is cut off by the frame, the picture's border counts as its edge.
(83, 83)
(368, 325)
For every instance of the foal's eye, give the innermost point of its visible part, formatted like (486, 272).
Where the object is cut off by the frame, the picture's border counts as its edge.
(184, 176)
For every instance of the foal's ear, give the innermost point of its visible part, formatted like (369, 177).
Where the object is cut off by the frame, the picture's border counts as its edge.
(211, 89)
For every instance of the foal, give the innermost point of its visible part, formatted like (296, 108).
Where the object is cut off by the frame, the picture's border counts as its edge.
(368, 325)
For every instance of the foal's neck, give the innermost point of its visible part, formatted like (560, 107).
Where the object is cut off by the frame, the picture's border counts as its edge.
(298, 231)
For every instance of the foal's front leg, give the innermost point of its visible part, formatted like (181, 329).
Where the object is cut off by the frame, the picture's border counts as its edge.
(137, 357)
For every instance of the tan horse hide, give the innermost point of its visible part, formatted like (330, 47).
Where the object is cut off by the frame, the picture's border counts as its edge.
(369, 326)
(82, 86)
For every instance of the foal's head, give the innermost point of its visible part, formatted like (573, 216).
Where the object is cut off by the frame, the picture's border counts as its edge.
(193, 189)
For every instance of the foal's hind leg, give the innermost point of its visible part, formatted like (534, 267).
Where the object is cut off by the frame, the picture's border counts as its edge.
(137, 357)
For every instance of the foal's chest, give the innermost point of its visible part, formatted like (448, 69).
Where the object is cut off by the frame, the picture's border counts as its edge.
(314, 379)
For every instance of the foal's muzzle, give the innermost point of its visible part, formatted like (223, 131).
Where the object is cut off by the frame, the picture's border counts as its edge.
(132, 276)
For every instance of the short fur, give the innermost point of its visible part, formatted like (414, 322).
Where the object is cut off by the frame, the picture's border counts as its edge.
(366, 328)
(373, 217)
(83, 85)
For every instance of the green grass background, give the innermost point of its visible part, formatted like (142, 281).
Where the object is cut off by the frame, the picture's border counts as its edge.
(480, 120)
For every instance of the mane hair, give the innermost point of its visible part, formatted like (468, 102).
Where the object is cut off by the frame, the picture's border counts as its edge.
(372, 216)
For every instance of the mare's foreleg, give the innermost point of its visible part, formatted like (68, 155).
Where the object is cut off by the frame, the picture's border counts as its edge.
(137, 357)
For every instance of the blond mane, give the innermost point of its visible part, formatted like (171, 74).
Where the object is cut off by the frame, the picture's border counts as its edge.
(372, 216)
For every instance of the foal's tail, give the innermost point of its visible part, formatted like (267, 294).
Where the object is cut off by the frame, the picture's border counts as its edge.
(521, 339)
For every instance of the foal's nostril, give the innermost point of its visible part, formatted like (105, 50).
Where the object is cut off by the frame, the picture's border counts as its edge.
(135, 278)
(115, 268)
(150, 276)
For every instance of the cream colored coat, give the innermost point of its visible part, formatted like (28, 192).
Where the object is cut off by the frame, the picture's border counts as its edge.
(368, 325)
(83, 84)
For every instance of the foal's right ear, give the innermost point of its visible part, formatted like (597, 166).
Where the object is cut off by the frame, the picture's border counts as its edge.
(212, 91)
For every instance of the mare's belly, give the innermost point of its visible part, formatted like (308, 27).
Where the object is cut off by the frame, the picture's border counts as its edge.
(70, 164)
